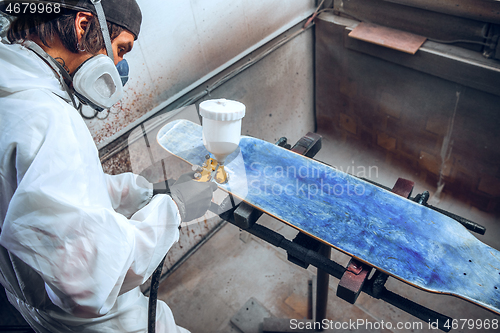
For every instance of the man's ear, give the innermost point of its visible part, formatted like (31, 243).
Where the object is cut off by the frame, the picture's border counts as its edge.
(82, 22)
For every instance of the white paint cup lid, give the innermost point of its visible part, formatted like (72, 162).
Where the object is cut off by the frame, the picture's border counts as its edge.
(222, 109)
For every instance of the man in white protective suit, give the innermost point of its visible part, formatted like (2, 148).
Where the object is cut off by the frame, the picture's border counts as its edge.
(77, 243)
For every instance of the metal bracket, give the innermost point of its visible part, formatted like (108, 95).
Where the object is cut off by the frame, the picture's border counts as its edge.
(308, 145)
(308, 243)
(403, 187)
(245, 215)
(492, 47)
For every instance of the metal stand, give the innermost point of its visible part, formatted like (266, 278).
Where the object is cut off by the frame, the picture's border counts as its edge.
(322, 281)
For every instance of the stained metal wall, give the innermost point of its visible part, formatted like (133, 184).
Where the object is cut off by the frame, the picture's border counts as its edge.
(435, 112)
(185, 42)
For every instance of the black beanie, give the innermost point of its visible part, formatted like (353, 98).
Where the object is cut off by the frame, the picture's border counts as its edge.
(125, 13)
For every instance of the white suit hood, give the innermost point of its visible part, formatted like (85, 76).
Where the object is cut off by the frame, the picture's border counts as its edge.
(22, 70)
(75, 243)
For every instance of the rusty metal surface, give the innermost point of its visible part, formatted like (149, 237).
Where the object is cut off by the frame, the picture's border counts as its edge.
(387, 37)
(415, 20)
(267, 117)
(449, 62)
(168, 60)
(198, 41)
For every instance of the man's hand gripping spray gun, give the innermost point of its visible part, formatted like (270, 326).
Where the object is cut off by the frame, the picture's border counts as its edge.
(221, 136)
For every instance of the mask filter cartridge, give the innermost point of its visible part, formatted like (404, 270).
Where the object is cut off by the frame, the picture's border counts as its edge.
(105, 86)
(123, 68)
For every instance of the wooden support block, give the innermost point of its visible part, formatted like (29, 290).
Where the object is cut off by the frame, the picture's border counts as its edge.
(388, 37)
(352, 281)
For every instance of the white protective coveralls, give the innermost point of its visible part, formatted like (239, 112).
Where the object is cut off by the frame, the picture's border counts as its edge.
(75, 243)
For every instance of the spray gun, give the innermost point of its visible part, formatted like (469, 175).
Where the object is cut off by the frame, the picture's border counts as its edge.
(221, 136)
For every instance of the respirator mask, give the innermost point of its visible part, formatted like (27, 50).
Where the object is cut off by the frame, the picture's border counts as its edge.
(97, 81)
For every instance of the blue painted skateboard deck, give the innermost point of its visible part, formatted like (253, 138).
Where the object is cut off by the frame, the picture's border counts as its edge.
(399, 237)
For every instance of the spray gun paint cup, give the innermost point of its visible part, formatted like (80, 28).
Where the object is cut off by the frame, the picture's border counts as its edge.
(221, 126)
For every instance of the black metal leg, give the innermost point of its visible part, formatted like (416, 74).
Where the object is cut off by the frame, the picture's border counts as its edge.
(322, 287)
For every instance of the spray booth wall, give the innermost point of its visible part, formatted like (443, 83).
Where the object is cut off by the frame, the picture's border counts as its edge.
(435, 112)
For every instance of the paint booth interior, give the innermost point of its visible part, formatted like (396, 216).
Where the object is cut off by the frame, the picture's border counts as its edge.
(430, 117)
(432, 114)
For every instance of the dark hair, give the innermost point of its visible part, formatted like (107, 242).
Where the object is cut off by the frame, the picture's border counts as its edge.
(46, 27)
